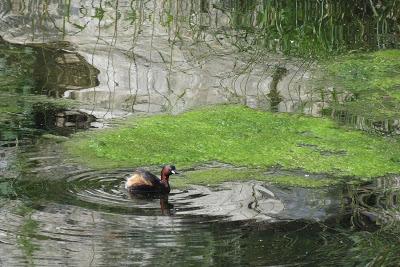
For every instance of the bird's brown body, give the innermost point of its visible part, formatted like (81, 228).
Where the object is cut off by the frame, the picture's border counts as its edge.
(142, 181)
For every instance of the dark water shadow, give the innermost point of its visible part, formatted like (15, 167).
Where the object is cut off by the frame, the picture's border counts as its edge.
(165, 207)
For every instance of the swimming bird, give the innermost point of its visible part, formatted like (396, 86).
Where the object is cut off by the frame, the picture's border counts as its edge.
(144, 182)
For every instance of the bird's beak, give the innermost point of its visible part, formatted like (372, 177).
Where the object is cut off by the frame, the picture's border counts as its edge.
(174, 172)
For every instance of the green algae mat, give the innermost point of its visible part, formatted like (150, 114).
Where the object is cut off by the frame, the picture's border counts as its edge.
(215, 176)
(239, 136)
(370, 82)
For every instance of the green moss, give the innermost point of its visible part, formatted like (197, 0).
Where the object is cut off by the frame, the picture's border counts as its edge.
(372, 71)
(374, 81)
(242, 137)
(216, 176)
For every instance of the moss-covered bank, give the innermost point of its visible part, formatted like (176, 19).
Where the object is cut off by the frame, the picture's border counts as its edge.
(366, 73)
(215, 176)
(242, 137)
(373, 81)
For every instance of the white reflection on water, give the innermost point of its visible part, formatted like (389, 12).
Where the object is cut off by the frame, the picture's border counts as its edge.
(150, 65)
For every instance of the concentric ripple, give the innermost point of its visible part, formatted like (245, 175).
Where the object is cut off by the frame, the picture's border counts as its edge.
(104, 190)
(233, 201)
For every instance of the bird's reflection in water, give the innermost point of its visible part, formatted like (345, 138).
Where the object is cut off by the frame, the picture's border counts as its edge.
(165, 207)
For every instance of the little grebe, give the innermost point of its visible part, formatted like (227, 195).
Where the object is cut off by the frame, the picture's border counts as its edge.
(144, 182)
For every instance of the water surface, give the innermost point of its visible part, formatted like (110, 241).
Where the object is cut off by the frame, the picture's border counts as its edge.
(142, 57)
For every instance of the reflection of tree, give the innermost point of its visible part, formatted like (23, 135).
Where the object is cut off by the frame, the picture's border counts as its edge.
(373, 237)
(374, 205)
(26, 233)
(274, 95)
(317, 27)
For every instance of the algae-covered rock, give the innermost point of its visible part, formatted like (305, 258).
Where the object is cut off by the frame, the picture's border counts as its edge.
(242, 137)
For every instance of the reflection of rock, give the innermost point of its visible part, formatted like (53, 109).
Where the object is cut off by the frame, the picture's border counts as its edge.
(238, 201)
(59, 70)
(173, 66)
(74, 118)
(48, 116)
(253, 201)
(68, 58)
(365, 207)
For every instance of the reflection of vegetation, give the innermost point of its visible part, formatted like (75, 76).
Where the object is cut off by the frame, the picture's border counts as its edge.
(374, 234)
(367, 85)
(376, 249)
(296, 27)
(274, 95)
(19, 122)
(315, 28)
(240, 136)
(369, 74)
(215, 176)
(347, 247)
(7, 189)
(26, 231)
(18, 107)
(16, 68)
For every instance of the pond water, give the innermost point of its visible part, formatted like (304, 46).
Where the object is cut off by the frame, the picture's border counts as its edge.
(68, 66)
